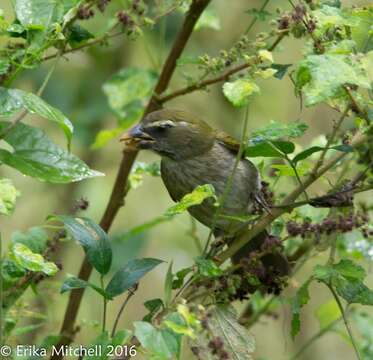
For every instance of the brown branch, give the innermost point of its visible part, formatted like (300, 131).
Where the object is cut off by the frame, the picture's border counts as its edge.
(222, 77)
(119, 189)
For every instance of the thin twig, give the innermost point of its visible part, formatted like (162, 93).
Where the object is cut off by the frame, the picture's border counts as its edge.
(131, 292)
(104, 304)
(223, 77)
(255, 18)
(345, 320)
(330, 140)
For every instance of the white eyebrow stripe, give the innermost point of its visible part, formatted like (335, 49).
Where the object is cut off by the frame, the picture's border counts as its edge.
(161, 123)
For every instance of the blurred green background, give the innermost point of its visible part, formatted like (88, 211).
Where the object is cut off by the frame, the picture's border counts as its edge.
(76, 89)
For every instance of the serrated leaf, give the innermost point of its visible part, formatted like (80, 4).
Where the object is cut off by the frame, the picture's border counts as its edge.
(127, 93)
(129, 275)
(321, 77)
(29, 260)
(42, 13)
(196, 197)
(13, 100)
(238, 342)
(35, 155)
(275, 130)
(239, 91)
(8, 196)
(92, 238)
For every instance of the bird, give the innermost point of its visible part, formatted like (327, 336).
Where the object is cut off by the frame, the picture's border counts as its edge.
(192, 154)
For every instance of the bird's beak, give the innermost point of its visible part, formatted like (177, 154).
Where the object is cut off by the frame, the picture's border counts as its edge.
(136, 136)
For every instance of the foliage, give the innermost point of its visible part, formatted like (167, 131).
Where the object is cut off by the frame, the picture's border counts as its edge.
(197, 309)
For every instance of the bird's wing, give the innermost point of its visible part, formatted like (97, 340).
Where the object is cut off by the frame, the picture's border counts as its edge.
(228, 141)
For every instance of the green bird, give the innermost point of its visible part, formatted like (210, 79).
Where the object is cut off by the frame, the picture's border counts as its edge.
(193, 153)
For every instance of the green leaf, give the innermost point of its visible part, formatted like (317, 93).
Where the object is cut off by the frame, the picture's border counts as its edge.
(207, 267)
(239, 91)
(72, 283)
(159, 343)
(42, 13)
(29, 260)
(180, 276)
(209, 19)
(313, 149)
(281, 70)
(140, 169)
(168, 286)
(13, 100)
(287, 170)
(196, 197)
(346, 277)
(34, 238)
(300, 299)
(260, 15)
(153, 306)
(8, 196)
(328, 313)
(238, 342)
(78, 35)
(92, 238)
(270, 149)
(350, 270)
(321, 77)
(35, 155)
(275, 130)
(104, 136)
(328, 17)
(129, 275)
(128, 91)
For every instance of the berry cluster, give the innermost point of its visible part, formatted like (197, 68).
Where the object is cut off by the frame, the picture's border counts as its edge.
(85, 12)
(102, 4)
(128, 18)
(339, 224)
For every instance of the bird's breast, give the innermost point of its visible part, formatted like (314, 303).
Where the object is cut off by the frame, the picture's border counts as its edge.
(213, 167)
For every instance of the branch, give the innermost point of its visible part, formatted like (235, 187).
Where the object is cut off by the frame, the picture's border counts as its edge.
(223, 77)
(119, 189)
(269, 218)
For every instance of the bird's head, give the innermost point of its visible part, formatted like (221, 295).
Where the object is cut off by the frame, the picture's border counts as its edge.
(171, 133)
